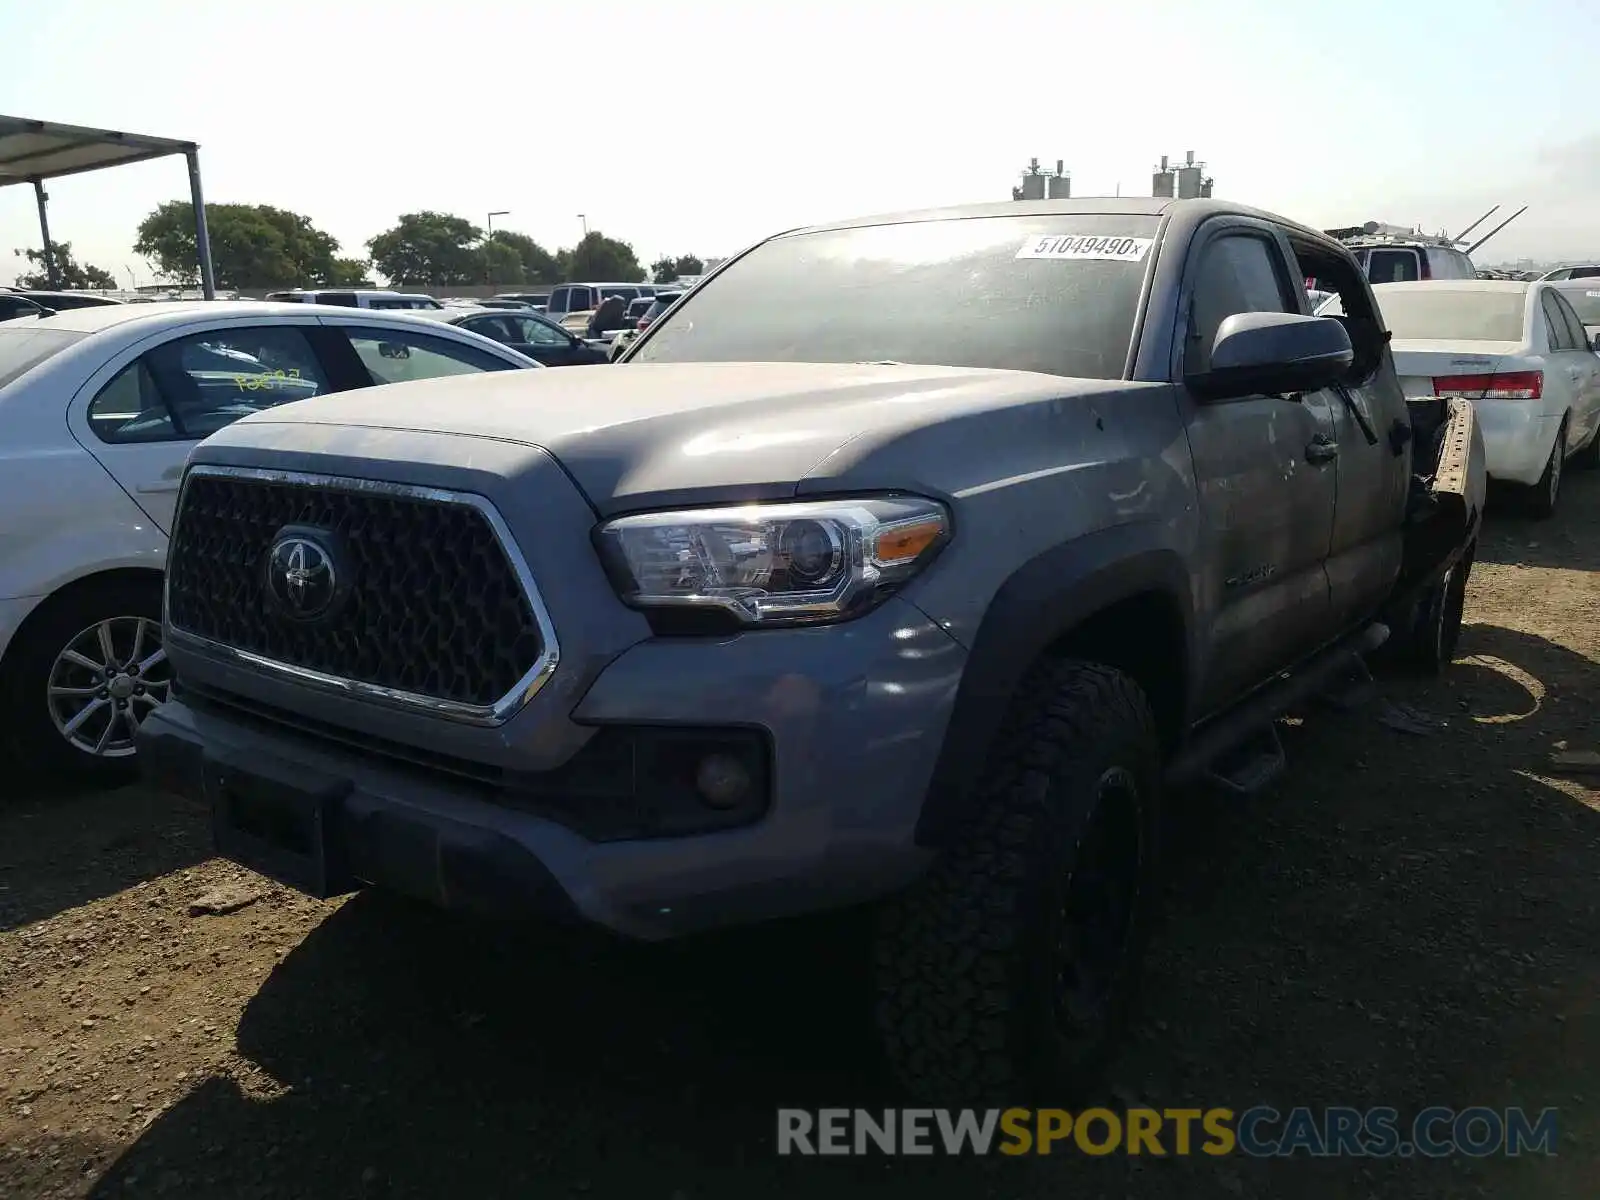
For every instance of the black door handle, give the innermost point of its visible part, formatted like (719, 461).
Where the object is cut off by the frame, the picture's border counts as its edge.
(1322, 450)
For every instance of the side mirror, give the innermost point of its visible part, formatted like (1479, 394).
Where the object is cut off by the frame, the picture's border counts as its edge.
(394, 350)
(1270, 353)
(1595, 345)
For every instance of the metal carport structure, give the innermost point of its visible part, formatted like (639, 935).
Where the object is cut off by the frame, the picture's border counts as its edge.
(34, 151)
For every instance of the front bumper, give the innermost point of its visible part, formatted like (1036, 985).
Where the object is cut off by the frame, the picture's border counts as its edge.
(854, 715)
(1517, 439)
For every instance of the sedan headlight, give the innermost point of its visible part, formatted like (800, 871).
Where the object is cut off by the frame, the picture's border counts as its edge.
(772, 564)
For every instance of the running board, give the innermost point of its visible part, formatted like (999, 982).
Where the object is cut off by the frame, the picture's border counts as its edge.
(1262, 708)
(1251, 767)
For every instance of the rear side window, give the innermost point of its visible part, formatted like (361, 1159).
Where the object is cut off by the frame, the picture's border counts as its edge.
(22, 349)
(189, 388)
(1583, 273)
(1392, 266)
(344, 299)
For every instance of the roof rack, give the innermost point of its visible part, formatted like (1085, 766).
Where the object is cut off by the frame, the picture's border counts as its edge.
(1380, 231)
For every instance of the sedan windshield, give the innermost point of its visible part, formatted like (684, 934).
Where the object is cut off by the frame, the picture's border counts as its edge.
(1055, 294)
(1586, 301)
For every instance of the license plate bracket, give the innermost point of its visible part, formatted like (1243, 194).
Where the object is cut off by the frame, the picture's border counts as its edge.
(279, 819)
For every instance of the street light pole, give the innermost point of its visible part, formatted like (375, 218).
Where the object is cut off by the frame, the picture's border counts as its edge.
(504, 212)
(585, 221)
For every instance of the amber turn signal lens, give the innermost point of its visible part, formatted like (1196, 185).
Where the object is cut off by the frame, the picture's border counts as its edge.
(903, 543)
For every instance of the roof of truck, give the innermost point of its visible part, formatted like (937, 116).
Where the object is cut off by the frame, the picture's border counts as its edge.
(1191, 211)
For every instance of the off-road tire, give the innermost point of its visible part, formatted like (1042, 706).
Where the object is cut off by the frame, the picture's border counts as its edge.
(36, 743)
(1541, 499)
(965, 963)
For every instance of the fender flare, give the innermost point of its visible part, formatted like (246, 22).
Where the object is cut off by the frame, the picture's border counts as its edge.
(1036, 607)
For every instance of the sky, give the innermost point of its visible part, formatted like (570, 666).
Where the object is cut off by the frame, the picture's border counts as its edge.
(700, 126)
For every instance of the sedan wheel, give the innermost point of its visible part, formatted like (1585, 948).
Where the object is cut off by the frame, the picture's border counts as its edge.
(104, 682)
(82, 673)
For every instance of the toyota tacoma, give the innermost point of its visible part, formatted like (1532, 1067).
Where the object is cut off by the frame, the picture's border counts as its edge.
(905, 563)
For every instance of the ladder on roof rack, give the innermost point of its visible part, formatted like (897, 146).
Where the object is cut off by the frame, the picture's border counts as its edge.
(1382, 232)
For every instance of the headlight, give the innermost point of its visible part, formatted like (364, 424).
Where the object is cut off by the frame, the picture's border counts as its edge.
(771, 564)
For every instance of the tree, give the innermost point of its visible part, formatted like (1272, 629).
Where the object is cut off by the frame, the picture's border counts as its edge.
(252, 246)
(429, 249)
(501, 264)
(350, 272)
(667, 268)
(72, 275)
(537, 264)
(598, 257)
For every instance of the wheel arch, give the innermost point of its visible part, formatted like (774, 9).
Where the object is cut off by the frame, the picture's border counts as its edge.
(1120, 598)
(67, 591)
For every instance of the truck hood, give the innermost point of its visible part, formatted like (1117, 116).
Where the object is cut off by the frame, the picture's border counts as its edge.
(637, 434)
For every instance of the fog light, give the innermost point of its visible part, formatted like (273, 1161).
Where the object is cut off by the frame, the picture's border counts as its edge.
(723, 781)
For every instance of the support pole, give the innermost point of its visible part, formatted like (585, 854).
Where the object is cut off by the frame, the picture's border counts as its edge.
(44, 232)
(202, 239)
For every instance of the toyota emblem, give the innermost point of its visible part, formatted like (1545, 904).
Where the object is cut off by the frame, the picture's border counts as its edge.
(301, 576)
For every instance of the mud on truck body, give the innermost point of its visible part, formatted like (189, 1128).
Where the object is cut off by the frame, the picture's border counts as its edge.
(907, 563)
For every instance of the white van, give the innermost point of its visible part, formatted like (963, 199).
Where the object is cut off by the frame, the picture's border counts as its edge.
(357, 298)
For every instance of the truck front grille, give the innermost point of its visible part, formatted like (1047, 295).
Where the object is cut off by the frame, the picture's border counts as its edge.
(432, 609)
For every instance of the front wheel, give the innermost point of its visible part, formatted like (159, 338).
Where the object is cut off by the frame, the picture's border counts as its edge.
(1010, 969)
(88, 668)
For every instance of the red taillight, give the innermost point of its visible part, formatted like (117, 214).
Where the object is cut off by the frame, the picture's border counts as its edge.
(1513, 385)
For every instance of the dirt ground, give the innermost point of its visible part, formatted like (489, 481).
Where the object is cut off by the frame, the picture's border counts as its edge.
(1409, 919)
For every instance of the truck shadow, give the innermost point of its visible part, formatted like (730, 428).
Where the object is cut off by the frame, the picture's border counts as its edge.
(60, 848)
(1401, 923)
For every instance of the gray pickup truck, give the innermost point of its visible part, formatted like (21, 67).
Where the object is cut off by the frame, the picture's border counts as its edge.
(906, 563)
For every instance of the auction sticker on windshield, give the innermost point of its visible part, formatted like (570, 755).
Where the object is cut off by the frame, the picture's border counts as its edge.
(1104, 249)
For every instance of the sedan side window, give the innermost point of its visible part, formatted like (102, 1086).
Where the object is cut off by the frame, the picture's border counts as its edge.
(1238, 273)
(396, 356)
(497, 328)
(1579, 335)
(537, 333)
(189, 388)
(1556, 325)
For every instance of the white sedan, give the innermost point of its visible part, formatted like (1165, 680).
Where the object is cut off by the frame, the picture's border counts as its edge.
(100, 408)
(1520, 353)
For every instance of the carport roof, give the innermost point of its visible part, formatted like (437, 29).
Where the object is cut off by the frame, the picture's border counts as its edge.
(31, 150)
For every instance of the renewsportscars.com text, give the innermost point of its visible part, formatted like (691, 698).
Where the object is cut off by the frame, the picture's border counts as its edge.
(1258, 1132)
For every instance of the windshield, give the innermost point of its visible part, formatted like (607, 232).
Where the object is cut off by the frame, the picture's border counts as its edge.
(1438, 313)
(1586, 301)
(23, 347)
(1055, 294)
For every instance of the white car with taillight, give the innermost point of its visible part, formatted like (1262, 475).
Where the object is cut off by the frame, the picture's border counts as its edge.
(1520, 353)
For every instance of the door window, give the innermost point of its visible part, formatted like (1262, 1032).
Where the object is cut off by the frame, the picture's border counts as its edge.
(537, 333)
(189, 388)
(396, 356)
(497, 328)
(1238, 273)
